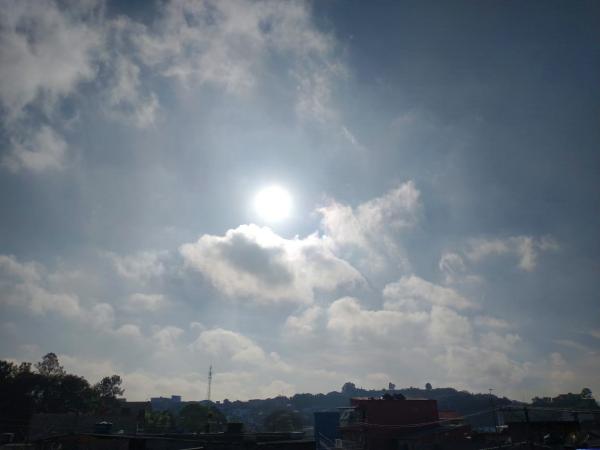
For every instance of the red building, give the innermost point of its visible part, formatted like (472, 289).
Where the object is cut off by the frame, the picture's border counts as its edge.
(395, 423)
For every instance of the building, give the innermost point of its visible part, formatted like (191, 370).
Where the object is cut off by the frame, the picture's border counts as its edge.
(327, 429)
(551, 426)
(393, 422)
(129, 417)
(172, 404)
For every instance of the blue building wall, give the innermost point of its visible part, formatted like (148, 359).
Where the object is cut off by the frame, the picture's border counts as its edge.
(326, 429)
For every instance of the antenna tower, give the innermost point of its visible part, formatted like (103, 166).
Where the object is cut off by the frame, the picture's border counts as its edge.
(209, 382)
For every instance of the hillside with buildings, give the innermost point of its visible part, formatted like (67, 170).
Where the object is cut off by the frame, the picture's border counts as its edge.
(44, 405)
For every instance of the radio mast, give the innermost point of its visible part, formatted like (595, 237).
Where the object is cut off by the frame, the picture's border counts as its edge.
(209, 382)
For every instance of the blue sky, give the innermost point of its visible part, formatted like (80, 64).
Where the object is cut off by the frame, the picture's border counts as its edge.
(442, 158)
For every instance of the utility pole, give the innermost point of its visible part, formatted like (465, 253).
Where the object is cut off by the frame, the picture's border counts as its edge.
(209, 382)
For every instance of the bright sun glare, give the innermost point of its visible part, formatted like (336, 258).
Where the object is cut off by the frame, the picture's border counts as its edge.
(273, 203)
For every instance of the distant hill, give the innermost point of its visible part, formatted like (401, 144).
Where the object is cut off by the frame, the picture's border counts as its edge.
(251, 412)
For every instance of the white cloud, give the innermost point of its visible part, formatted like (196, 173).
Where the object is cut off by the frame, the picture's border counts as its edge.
(373, 226)
(125, 95)
(526, 248)
(255, 263)
(276, 388)
(305, 323)
(29, 272)
(102, 316)
(24, 285)
(45, 53)
(377, 380)
(227, 348)
(43, 50)
(480, 368)
(129, 330)
(503, 343)
(414, 293)
(455, 271)
(167, 337)
(238, 348)
(491, 322)
(48, 48)
(228, 43)
(40, 301)
(93, 369)
(31, 287)
(40, 150)
(448, 327)
(347, 317)
(139, 267)
(146, 302)
(315, 99)
(440, 338)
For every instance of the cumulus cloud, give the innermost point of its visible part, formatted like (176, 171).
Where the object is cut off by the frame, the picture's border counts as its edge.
(102, 316)
(305, 323)
(372, 227)
(231, 344)
(491, 322)
(139, 267)
(346, 316)
(30, 286)
(480, 367)
(413, 293)
(446, 326)
(167, 337)
(255, 263)
(441, 337)
(146, 302)
(233, 349)
(129, 330)
(24, 285)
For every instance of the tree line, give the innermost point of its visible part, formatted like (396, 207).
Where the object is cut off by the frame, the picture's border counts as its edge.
(45, 387)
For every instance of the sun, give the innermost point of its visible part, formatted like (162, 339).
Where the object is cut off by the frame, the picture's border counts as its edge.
(273, 203)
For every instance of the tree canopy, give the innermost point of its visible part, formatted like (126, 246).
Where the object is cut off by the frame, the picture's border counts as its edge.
(196, 417)
(49, 366)
(49, 389)
(283, 420)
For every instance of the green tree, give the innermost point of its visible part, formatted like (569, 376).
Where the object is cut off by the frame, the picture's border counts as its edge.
(586, 393)
(196, 417)
(76, 394)
(349, 388)
(109, 387)
(49, 366)
(283, 420)
(106, 392)
(159, 421)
